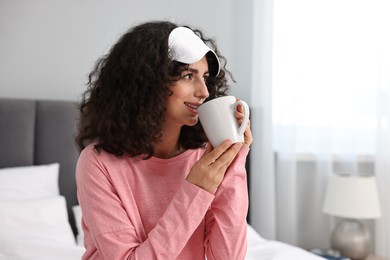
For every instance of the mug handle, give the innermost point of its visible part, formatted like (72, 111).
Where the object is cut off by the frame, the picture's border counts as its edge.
(245, 120)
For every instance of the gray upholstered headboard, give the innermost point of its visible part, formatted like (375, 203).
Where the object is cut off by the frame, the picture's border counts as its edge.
(34, 132)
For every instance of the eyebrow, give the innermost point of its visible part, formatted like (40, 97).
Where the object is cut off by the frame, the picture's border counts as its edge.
(195, 70)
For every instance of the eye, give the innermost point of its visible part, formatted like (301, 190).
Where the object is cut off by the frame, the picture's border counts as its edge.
(187, 76)
(205, 78)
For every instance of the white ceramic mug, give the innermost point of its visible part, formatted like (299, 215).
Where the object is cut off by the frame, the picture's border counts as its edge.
(217, 117)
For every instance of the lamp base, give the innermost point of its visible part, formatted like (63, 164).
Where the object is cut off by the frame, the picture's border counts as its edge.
(352, 238)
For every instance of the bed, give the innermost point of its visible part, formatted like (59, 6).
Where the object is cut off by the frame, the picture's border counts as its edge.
(39, 214)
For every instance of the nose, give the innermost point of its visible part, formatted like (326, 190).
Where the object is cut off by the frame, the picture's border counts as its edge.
(201, 90)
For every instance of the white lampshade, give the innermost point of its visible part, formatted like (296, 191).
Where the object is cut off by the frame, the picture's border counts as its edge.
(352, 197)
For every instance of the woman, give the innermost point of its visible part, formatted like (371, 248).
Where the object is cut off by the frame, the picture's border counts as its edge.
(149, 184)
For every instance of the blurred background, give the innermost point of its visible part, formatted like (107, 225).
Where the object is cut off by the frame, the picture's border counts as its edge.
(316, 74)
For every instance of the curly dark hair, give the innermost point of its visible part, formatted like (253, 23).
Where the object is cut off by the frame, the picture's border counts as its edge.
(123, 108)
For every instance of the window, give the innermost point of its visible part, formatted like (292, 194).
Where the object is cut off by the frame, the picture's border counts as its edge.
(326, 72)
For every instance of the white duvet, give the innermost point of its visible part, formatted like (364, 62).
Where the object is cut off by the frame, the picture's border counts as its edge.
(262, 249)
(37, 251)
(258, 249)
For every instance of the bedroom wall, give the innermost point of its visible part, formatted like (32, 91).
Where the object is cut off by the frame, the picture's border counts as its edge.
(314, 226)
(48, 47)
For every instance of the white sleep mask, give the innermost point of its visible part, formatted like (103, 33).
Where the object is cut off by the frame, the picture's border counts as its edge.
(186, 47)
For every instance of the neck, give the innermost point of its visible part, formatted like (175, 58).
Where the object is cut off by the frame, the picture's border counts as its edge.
(167, 151)
(169, 146)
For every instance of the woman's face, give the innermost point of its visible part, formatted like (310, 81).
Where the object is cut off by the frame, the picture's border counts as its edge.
(189, 92)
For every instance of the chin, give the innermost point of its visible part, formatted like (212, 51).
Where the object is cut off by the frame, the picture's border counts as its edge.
(192, 122)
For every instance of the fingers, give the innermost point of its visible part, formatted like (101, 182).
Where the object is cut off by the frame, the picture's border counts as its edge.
(247, 134)
(209, 171)
(228, 156)
(223, 154)
(240, 108)
(213, 155)
(240, 117)
(208, 149)
(248, 139)
(239, 113)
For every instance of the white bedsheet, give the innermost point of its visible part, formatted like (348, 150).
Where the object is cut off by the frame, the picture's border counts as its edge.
(31, 250)
(258, 249)
(262, 249)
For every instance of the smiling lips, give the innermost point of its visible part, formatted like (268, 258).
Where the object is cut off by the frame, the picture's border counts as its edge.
(193, 106)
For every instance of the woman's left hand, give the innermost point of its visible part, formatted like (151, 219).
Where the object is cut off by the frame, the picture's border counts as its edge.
(248, 133)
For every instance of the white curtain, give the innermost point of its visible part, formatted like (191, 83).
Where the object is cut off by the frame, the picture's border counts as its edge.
(326, 67)
(262, 190)
(382, 162)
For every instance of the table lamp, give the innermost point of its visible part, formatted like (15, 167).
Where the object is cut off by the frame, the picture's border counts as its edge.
(352, 198)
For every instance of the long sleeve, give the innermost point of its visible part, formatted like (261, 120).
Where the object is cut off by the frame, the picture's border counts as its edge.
(112, 221)
(226, 224)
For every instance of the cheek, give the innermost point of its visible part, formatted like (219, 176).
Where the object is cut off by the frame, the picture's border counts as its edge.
(182, 89)
(172, 103)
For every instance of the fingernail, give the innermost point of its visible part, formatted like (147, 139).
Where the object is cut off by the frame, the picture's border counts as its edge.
(228, 141)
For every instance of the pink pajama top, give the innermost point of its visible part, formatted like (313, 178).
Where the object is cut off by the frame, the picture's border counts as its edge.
(146, 209)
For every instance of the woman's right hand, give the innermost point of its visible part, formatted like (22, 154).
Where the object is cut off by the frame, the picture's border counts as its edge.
(209, 171)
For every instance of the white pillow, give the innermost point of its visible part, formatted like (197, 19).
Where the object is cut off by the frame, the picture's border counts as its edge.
(28, 223)
(29, 182)
(77, 216)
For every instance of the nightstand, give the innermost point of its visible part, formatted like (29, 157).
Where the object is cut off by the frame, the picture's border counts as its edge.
(330, 253)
